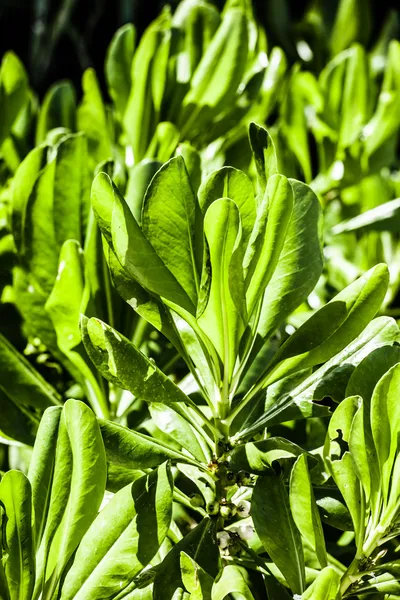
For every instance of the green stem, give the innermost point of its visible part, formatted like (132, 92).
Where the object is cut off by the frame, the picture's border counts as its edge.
(140, 332)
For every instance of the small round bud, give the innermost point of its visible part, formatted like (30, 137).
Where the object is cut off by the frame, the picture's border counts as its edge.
(213, 508)
(196, 500)
(227, 511)
(244, 478)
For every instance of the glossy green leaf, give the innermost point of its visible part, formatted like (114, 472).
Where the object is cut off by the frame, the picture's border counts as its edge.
(92, 119)
(261, 457)
(198, 544)
(21, 188)
(231, 580)
(139, 111)
(58, 110)
(334, 326)
(133, 450)
(267, 238)
(304, 509)
(178, 428)
(139, 178)
(41, 468)
(299, 402)
(325, 587)
(385, 217)
(385, 424)
(300, 262)
(219, 72)
(223, 319)
(78, 488)
(109, 557)
(354, 113)
(164, 142)
(13, 92)
(264, 155)
(384, 123)
(168, 222)
(195, 579)
(132, 248)
(234, 184)
(118, 66)
(277, 530)
(19, 561)
(119, 361)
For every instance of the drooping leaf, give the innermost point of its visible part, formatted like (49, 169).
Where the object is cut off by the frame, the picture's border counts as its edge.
(119, 361)
(134, 450)
(277, 530)
(304, 509)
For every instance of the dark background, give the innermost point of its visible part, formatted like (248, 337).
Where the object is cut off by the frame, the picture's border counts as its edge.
(60, 38)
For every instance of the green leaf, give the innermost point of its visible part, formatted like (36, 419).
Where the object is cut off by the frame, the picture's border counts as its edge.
(231, 580)
(325, 587)
(304, 509)
(350, 23)
(300, 262)
(139, 178)
(385, 217)
(195, 579)
(264, 155)
(58, 110)
(218, 74)
(277, 531)
(134, 450)
(24, 395)
(224, 317)
(146, 306)
(333, 326)
(164, 142)
(19, 560)
(118, 66)
(13, 92)
(168, 222)
(385, 425)
(200, 545)
(384, 122)
(41, 468)
(234, 184)
(139, 113)
(370, 370)
(261, 457)
(109, 557)
(21, 189)
(341, 464)
(77, 491)
(354, 110)
(133, 250)
(299, 402)
(119, 361)
(92, 119)
(267, 238)
(178, 428)
(68, 300)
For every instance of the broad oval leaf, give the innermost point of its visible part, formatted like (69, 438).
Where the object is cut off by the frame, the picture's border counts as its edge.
(231, 580)
(325, 587)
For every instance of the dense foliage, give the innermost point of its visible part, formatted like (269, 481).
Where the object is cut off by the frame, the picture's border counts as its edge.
(200, 361)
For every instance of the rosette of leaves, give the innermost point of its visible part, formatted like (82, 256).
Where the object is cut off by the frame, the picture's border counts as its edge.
(218, 272)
